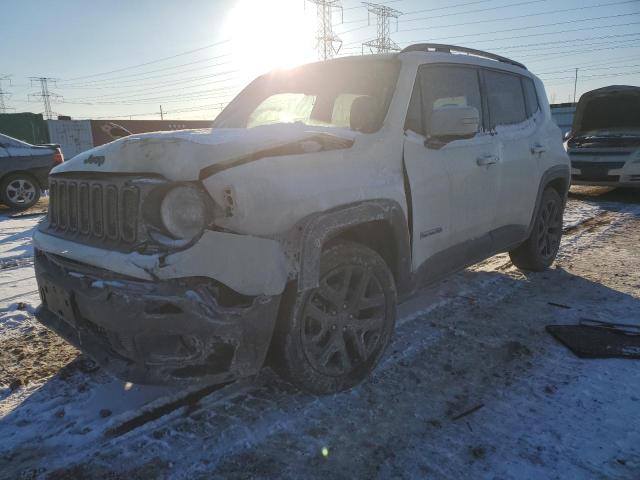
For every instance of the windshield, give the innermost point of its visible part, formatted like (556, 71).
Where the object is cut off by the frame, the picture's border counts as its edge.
(320, 94)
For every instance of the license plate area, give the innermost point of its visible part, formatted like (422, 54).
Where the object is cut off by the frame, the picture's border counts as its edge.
(58, 301)
(595, 172)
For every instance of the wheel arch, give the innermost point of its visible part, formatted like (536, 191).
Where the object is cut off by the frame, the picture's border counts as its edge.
(27, 173)
(6, 174)
(378, 224)
(559, 178)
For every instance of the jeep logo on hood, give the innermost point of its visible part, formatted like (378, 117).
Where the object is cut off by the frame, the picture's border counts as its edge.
(97, 159)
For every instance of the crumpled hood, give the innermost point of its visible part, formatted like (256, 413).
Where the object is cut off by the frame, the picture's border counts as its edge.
(182, 154)
(608, 109)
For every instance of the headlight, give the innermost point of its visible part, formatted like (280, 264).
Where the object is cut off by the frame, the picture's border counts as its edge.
(183, 212)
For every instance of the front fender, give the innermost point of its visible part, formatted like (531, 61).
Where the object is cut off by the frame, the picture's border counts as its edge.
(318, 228)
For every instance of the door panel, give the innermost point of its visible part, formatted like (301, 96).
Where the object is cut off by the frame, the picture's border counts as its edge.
(518, 134)
(430, 199)
(454, 188)
(474, 166)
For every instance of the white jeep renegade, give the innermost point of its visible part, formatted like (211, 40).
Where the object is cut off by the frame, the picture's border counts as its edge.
(321, 196)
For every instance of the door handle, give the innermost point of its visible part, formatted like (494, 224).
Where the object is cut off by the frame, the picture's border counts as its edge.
(538, 149)
(486, 160)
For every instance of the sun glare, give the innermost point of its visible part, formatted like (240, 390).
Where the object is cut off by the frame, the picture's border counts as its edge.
(266, 35)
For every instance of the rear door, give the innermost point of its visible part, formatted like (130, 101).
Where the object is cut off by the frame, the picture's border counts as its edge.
(453, 187)
(515, 120)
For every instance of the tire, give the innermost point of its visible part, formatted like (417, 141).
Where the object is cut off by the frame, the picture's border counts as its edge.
(539, 251)
(19, 191)
(326, 341)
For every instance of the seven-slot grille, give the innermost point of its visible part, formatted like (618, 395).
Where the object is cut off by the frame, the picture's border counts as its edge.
(93, 210)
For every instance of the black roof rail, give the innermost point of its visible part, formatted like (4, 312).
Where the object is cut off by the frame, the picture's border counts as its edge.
(439, 47)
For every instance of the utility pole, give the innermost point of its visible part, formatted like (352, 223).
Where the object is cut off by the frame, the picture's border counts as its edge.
(383, 43)
(575, 87)
(45, 95)
(326, 38)
(3, 94)
(161, 113)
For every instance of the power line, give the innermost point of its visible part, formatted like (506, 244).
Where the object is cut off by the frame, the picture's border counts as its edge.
(447, 7)
(519, 29)
(211, 45)
(164, 69)
(482, 10)
(553, 44)
(383, 43)
(384, 3)
(435, 9)
(326, 38)
(173, 84)
(195, 108)
(512, 18)
(45, 95)
(605, 45)
(169, 98)
(476, 22)
(571, 79)
(591, 66)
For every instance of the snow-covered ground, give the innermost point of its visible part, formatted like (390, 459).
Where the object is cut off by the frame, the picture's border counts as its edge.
(476, 340)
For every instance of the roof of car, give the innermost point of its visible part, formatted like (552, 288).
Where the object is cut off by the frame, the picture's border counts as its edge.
(612, 89)
(453, 49)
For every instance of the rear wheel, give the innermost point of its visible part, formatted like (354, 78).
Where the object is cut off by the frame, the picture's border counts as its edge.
(332, 336)
(19, 191)
(539, 251)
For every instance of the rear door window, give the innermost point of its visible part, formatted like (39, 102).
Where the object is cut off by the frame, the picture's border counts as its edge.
(505, 98)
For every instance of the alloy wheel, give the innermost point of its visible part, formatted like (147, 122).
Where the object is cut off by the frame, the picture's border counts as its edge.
(20, 191)
(343, 320)
(549, 229)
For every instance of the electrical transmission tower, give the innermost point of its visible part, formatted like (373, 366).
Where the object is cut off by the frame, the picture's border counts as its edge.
(326, 37)
(384, 14)
(45, 95)
(3, 94)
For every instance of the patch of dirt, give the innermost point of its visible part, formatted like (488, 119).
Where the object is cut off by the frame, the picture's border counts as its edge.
(33, 355)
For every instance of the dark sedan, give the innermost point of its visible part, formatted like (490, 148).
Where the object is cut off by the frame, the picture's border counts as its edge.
(24, 171)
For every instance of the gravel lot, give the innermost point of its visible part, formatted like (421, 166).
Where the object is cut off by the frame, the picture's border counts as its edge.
(475, 342)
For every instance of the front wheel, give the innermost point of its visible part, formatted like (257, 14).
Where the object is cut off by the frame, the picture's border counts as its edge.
(332, 336)
(539, 251)
(19, 191)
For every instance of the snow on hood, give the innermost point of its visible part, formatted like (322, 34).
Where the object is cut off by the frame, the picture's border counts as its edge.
(180, 155)
(609, 109)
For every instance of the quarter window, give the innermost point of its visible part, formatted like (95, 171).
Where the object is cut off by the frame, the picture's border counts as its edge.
(530, 96)
(505, 98)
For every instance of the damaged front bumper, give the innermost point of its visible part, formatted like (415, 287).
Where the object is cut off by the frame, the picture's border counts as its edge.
(162, 332)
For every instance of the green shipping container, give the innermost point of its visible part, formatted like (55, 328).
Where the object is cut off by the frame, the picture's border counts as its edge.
(28, 127)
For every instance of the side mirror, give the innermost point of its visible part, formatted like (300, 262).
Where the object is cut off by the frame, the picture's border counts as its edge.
(567, 135)
(454, 122)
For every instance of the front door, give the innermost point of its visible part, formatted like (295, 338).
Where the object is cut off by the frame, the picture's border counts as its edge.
(453, 187)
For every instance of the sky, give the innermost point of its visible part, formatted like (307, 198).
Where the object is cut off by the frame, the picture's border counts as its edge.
(127, 58)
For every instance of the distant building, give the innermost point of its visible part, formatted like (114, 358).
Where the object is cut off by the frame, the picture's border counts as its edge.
(76, 136)
(563, 114)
